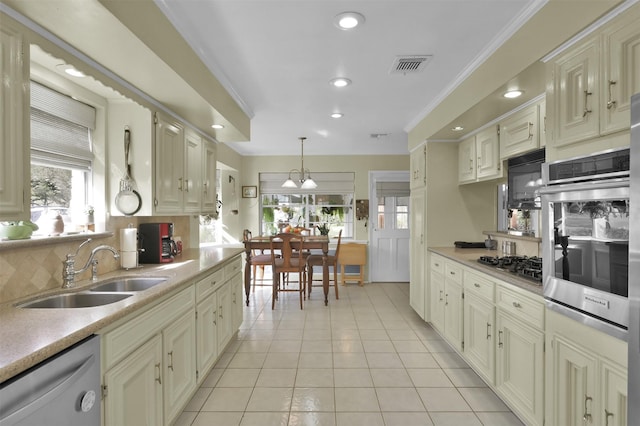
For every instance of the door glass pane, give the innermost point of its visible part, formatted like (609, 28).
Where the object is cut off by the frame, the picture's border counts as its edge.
(381, 205)
(402, 212)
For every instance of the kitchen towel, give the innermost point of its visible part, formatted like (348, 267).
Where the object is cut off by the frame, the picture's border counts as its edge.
(129, 239)
(129, 259)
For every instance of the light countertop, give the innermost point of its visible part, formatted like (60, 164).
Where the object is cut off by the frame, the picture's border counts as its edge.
(469, 257)
(29, 336)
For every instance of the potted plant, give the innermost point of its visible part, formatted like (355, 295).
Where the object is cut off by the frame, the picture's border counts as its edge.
(323, 228)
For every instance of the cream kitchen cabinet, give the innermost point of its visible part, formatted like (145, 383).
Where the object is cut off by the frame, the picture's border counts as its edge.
(15, 171)
(478, 157)
(225, 316)
(132, 389)
(169, 166)
(479, 324)
(417, 282)
(520, 132)
(585, 385)
(520, 342)
(418, 161)
(593, 81)
(192, 181)
(446, 299)
(130, 370)
(209, 156)
(237, 292)
(206, 335)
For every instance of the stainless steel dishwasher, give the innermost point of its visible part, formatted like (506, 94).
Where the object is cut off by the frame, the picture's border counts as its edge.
(63, 390)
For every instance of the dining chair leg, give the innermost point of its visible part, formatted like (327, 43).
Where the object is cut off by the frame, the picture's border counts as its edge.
(335, 279)
(274, 292)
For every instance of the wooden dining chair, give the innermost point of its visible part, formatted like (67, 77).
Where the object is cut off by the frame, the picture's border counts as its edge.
(316, 260)
(259, 259)
(285, 260)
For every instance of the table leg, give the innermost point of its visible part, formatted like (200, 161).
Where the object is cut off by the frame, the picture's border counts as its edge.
(247, 276)
(325, 277)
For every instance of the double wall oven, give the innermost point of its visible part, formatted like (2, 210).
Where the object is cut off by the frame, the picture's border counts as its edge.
(585, 237)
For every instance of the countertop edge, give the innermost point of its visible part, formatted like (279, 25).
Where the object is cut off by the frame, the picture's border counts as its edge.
(469, 257)
(30, 336)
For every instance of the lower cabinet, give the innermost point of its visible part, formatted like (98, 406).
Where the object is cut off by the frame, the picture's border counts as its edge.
(153, 361)
(446, 299)
(585, 385)
(479, 336)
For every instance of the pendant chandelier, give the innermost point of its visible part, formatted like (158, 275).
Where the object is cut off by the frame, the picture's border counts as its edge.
(303, 175)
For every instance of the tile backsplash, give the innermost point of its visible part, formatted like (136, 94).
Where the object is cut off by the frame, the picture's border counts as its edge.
(29, 269)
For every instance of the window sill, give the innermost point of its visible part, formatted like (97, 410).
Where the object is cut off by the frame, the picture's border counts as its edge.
(37, 241)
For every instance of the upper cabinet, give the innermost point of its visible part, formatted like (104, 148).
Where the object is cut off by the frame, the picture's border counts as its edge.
(478, 157)
(419, 167)
(521, 132)
(592, 83)
(14, 126)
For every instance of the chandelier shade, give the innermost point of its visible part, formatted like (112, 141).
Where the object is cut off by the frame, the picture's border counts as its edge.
(302, 175)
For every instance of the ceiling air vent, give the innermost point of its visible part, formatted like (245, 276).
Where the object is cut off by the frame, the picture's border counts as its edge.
(410, 64)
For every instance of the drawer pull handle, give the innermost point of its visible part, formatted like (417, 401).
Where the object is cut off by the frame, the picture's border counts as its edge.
(488, 330)
(517, 305)
(476, 285)
(587, 415)
(215, 316)
(500, 338)
(452, 273)
(607, 415)
(611, 103)
(170, 366)
(441, 295)
(586, 108)
(437, 265)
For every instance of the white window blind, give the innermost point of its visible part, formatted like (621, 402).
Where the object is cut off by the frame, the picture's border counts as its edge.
(60, 129)
(328, 183)
(392, 189)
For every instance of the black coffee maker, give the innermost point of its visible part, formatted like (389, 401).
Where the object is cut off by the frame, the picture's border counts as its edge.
(156, 242)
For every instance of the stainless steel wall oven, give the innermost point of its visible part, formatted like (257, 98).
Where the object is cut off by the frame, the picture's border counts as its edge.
(585, 239)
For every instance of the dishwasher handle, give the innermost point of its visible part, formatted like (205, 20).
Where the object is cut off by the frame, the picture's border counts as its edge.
(48, 394)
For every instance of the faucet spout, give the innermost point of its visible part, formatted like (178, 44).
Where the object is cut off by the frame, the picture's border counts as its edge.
(69, 272)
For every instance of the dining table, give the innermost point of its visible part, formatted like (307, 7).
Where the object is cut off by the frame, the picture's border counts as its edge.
(309, 242)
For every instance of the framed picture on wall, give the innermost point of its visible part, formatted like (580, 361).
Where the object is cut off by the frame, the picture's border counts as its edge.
(249, 191)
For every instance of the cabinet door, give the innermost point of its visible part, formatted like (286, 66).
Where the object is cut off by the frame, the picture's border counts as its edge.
(488, 162)
(14, 126)
(621, 66)
(225, 316)
(577, 94)
(417, 254)
(192, 172)
(179, 342)
(436, 291)
(479, 330)
(169, 167)
(206, 335)
(237, 292)
(453, 313)
(209, 177)
(419, 167)
(613, 393)
(519, 367)
(542, 124)
(519, 133)
(467, 161)
(134, 387)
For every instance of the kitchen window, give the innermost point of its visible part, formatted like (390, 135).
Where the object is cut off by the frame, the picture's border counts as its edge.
(61, 157)
(330, 203)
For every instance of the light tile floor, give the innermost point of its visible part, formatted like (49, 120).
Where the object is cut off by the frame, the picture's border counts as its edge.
(366, 359)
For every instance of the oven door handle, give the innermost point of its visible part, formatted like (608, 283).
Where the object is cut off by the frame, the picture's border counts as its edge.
(592, 185)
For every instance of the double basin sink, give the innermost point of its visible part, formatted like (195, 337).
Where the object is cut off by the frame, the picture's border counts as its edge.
(104, 293)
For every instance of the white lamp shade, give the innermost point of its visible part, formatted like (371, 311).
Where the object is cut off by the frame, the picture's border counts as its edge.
(289, 184)
(309, 184)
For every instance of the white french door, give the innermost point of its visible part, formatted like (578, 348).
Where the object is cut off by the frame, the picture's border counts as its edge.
(389, 226)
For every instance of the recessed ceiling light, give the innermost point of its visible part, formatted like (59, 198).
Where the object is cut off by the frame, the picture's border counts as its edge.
(458, 129)
(337, 115)
(70, 70)
(340, 82)
(348, 20)
(513, 94)
(217, 126)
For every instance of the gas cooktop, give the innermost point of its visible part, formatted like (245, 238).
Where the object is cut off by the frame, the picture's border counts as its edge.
(526, 267)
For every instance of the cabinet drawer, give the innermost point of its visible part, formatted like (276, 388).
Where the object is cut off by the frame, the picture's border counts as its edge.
(118, 343)
(453, 272)
(208, 284)
(232, 268)
(479, 285)
(437, 263)
(523, 306)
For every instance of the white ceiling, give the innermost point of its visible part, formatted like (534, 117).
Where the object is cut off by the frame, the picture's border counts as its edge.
(276, 59)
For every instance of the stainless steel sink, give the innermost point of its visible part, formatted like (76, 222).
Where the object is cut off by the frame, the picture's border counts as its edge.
(129, 284)
(76, 300)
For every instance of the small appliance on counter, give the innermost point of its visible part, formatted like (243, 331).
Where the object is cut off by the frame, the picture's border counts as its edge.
(156, 242)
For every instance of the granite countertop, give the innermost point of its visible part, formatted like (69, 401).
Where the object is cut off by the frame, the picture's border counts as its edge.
(469, 257)
(30, 336)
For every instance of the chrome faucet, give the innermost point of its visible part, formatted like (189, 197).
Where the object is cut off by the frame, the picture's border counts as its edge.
(69, 272)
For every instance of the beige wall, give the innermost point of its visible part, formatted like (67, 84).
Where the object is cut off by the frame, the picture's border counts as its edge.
(361, 165)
